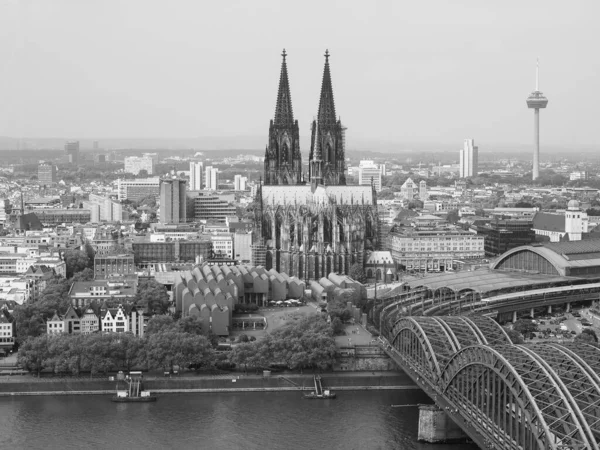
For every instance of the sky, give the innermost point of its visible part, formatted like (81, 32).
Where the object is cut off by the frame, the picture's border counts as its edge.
(404, 72)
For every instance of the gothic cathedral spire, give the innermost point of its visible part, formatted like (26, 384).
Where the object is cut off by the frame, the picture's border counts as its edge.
(327, 153)
(283, 163)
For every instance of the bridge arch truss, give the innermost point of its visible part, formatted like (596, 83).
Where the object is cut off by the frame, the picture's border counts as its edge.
(542, 396)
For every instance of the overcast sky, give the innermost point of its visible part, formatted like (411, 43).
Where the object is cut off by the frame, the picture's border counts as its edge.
(403, 71)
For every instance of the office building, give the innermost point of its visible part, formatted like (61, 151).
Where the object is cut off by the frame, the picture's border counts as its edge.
(173, 202)
(72, 152)
(147, 253)
(239, 183)
(46, 173)
(211, 207)
(135, 164)
(502, 235)
(469, 159)
(107, 266)
(222, 245)
(135, 190)
(196, 169)
(369, 173)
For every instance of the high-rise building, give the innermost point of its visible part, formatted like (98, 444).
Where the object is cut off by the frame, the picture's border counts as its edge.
(173, 201)
(536, 101)
(196, 169)
(239, 183)
(212, 179)
(369, 172)
(135, 164)
(72, 151)
(46, 173)
(207, 171)
(283, 163)
(469, 159)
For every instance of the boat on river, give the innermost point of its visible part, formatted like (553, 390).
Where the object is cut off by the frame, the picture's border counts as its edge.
(319, 393)
(135, 392)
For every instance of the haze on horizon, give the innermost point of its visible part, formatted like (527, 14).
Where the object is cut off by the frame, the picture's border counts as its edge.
(405, 72)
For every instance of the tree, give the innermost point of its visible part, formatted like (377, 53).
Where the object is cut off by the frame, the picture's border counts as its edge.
(524, 326)
(515, 336)
(160, 323)
(357, 273)
(452, 216)
(86, 274)
(588, 336)
(143, 173)
(191, 325)
(33, 354)
(76, 261)
(152, 295)
(337, 326)
(523, 204)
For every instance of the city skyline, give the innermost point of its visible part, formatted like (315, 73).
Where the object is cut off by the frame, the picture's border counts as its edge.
(162, 77)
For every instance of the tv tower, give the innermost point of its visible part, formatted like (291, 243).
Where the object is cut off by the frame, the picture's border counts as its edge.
(536, 100)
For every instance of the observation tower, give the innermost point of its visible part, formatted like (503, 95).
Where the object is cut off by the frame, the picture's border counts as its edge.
(535, 101)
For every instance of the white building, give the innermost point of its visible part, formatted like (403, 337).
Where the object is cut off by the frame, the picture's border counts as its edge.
(222, 245)
(242, 245)
(114, 320)
(212, 178)
(56, 325)
(240, 183)
(469, 159)
(196, 169)
(369, 172)
(134, 164)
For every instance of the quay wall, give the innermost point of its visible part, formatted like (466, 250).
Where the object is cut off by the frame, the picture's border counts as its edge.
(249, 383)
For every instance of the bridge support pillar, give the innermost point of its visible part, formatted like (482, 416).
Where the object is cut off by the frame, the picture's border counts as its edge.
(549, 309)
(532, 313)
(435, 427)
(568, 307)
(514, 319)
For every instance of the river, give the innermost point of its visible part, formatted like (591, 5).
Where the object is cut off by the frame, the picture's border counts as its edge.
(266, 421)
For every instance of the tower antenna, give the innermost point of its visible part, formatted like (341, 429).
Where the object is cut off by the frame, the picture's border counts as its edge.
(537, 75)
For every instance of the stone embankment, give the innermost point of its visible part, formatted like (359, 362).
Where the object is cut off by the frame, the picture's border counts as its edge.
(27, 385)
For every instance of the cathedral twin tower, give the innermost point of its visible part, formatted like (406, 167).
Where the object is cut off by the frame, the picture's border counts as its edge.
(283, 161)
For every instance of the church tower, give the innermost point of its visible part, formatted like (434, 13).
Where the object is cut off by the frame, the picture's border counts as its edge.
(327, 155)
(283, 163)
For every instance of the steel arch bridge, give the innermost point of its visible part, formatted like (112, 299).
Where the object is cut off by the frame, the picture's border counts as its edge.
(504, 396)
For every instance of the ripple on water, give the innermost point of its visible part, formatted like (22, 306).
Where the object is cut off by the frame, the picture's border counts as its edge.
(261, 421)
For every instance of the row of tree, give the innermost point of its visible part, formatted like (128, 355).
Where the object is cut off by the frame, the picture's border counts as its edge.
(307, 343)
(167, 344)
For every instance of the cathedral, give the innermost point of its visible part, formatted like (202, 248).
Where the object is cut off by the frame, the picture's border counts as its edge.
(312, 224)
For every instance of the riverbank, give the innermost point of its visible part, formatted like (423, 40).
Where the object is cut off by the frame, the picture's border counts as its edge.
(355, 381)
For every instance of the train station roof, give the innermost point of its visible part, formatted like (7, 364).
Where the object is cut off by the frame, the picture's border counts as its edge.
(486, 280)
